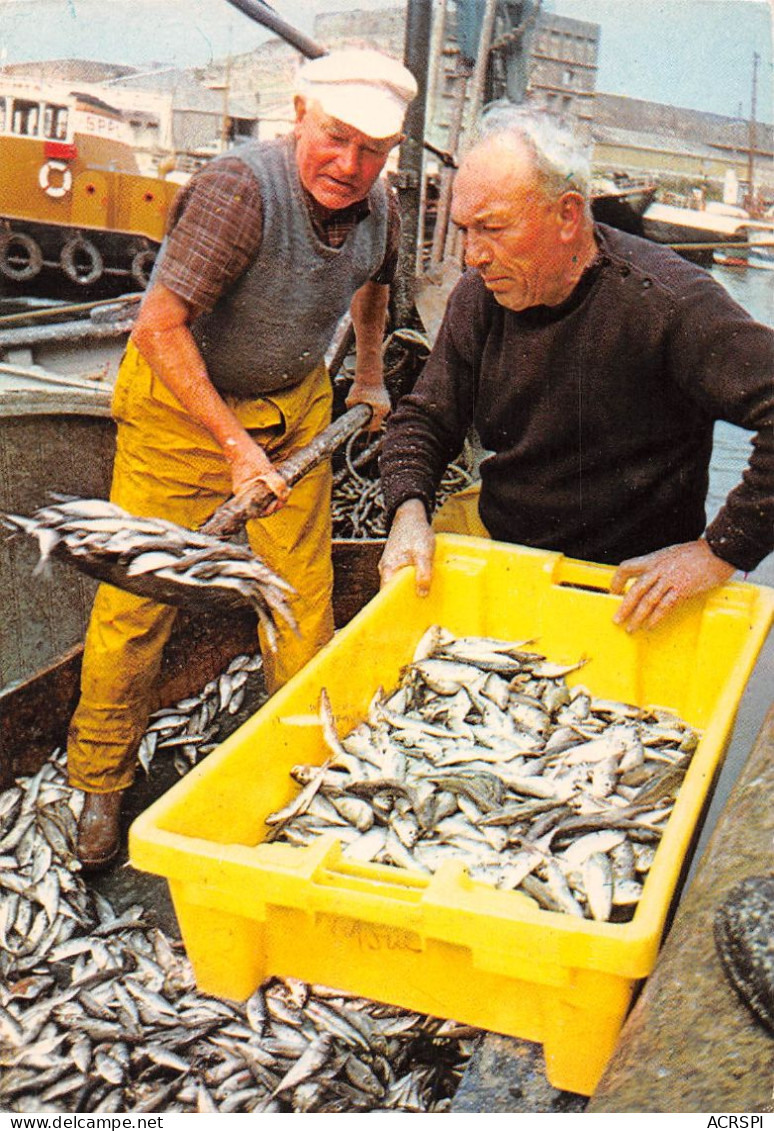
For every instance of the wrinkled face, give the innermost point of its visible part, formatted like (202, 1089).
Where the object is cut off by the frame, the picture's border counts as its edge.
(336, 163)
(513, 235)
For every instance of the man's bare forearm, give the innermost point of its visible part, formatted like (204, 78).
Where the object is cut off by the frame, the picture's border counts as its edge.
(369, 315)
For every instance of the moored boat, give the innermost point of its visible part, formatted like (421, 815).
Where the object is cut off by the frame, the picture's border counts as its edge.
(692, 231)
(759, 252)
(748, 257)
(73, 203)
(621, 203)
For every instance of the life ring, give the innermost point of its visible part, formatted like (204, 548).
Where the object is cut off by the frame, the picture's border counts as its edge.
(16, 245)
(44, 178)
(142, 265)
(81, 261)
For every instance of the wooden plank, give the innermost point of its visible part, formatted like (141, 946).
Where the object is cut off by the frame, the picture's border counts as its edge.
(46, 615)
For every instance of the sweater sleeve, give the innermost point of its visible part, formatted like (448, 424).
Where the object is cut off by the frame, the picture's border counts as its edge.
(725, 361)
(428, 428)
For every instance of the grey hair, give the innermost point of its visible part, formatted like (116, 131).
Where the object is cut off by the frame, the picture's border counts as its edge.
(561, 162)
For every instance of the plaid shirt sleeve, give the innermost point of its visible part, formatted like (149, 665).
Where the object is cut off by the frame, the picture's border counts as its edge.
(214, 233)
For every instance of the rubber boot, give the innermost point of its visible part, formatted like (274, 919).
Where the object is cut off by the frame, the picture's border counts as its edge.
(99, 830)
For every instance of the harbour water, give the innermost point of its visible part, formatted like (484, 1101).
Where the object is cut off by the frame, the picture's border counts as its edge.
(754, 290)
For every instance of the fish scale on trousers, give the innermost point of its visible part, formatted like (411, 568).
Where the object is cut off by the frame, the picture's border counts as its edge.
(99, 1012)
(486, 755)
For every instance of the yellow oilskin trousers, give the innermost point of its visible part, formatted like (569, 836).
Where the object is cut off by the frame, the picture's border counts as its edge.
(168, 466)
(459, 514)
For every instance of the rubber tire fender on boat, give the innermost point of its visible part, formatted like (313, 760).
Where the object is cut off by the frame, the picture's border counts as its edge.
(32, 250)
(142, 265)
(78, 246)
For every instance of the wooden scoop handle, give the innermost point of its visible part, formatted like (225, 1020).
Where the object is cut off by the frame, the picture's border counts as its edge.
(235, 512)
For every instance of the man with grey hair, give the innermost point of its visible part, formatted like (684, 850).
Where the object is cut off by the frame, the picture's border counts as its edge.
(593, 365)
(225, 377)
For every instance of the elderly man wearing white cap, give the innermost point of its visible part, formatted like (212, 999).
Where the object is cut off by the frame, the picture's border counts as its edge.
(224, 377)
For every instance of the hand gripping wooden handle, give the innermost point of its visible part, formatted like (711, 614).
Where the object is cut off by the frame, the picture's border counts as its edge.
(235, 512)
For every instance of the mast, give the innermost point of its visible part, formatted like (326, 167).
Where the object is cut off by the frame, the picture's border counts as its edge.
(752, 136)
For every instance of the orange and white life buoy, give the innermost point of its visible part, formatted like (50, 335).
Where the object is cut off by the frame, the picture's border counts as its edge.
(44, 178)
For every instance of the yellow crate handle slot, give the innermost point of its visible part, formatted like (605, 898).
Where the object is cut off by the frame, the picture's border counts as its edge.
(379, 880)
(569, 573)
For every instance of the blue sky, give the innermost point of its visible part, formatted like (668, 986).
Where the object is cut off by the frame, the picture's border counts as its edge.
(694, 53)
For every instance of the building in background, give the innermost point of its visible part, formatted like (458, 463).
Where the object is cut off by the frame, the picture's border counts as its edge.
(546, 59)
(174, 120)
(534, 55)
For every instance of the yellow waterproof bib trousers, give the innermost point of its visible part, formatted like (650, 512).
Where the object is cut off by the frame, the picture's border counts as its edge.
(459, 514)
(168, 466)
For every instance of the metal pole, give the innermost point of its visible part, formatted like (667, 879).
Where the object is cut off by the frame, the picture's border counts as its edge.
(446, 178)
(482, 60)
(409, 178)
(435, 69)
(751, 154)
(263, 14)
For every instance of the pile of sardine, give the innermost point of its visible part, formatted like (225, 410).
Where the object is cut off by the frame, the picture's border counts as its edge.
(190, 729)
(485, 754)
(154, 558)
(99, 1011)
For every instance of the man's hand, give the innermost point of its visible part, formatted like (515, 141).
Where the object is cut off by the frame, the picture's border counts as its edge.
(252, 468)
(411, 542)
(374, 395)
(664, 580)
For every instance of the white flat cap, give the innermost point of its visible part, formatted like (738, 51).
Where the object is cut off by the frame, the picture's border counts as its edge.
(360, 87)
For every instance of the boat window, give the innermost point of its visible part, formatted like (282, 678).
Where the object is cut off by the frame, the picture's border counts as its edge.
(2, 112)
(55, 122)
(25, 117)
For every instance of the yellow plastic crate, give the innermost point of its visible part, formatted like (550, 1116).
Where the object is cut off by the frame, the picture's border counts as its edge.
(446, 945)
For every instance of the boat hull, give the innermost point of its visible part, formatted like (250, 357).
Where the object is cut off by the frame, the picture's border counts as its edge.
(691, 231)
(47, 443)
(623, 209)
(745, 258)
